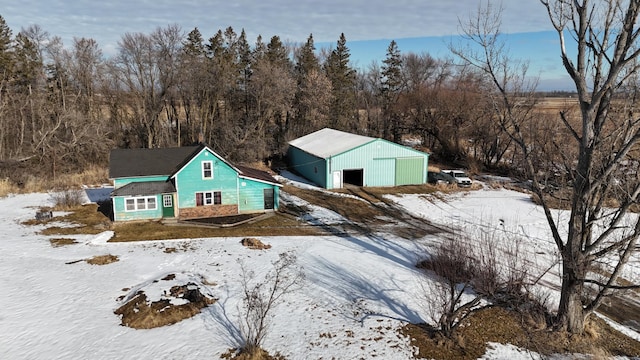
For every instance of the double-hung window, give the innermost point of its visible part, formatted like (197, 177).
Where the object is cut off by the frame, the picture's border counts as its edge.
(207, 169)
(140, 203)
(208, 198)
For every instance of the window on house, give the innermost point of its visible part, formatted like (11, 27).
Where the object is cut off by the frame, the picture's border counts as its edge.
(130, 204)
(167, 200)
(140, 203)
(207, 169)
(208, 198)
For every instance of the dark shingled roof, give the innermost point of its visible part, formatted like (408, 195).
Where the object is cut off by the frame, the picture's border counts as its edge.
(159, 162)
(256, 174)
(148, 162)
(145, 188)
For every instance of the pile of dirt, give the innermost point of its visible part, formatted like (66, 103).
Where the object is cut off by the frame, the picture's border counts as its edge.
(254, 244)
(503, 326)
(164, 300)
(179, 303)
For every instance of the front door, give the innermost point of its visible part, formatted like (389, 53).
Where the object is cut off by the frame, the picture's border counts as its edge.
(268, 198)
(167, 206)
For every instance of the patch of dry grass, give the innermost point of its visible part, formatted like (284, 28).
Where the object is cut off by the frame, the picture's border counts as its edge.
(278, 225)
(258, 354)
(102, 259)
(94, 175)
(350, 208)
(57, 242)
(8, 187)
(254, 244)
(83, 219)
(507, 327)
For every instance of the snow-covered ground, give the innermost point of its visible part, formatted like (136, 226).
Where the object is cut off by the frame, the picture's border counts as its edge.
(358, 289)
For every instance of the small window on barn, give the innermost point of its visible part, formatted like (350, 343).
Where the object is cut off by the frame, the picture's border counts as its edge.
(207, 169)
(315, 169)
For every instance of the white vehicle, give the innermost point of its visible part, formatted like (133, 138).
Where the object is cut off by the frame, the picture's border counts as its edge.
(462, 179)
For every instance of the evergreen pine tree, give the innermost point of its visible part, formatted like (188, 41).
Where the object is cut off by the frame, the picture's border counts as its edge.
(391, 86)
(194, 45)
(307, 61)
(343, 86)
(277, 53)
(6, 56)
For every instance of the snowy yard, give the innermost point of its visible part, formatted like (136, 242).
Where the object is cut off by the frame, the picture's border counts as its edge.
(358, 289)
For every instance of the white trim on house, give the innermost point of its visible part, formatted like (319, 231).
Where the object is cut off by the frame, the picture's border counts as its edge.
(205, 148)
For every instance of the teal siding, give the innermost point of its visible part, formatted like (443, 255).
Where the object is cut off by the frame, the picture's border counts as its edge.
(408, 170)
(251, 195)
(246, 194)
(377, 158)
(121, 215)
(381, 173)
(311, 167)
(117, 183)
(189, 180)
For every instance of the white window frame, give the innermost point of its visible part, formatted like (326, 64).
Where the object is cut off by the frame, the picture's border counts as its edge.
(208, 198)
(140, 203)
(204, 170)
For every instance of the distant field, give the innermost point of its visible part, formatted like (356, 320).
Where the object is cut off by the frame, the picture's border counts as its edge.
(556, 104)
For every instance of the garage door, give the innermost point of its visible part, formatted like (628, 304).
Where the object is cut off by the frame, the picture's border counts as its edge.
(409, 170)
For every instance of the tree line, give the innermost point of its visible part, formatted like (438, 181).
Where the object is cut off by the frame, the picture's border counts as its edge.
(68, 106)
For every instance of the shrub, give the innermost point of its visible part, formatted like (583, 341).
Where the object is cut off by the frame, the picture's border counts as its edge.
(67, 199)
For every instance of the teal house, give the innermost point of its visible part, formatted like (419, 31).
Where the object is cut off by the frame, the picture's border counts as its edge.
(331, 158)
(186, 183)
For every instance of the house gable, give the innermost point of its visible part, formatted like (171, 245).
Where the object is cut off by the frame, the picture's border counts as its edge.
(189, 180)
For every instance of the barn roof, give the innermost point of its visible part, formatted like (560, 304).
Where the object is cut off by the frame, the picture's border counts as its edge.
(329, 142)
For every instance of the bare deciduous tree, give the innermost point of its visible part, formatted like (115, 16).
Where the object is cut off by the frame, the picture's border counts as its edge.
(604, 133)
(472, 275)
(262, 296)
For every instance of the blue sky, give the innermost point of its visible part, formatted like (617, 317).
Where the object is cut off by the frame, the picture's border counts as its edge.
(369, 25)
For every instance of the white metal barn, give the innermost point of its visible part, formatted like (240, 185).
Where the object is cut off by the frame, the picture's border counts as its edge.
(331, 158)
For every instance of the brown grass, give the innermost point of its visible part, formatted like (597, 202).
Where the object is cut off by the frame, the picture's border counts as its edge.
(94, 175)
(258, 354)
(84, 219)
(8, 187)
(139, 313)
(278, 225)
(508, 327)
(57, 242)
(254, 244)
(102, 259)
(350, 208)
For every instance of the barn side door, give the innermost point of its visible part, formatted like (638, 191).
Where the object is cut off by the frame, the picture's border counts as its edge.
(337, 179)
